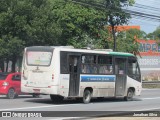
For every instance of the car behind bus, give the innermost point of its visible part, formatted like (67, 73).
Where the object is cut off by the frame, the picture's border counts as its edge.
(10, 85)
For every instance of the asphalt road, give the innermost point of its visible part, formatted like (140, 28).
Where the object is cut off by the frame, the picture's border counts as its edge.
(148, 101)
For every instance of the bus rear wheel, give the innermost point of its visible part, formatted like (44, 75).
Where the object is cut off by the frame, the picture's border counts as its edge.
(129, 96)
(56, 98)
(86, 96)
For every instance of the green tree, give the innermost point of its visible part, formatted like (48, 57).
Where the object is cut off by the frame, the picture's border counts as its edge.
(3, 53)
(115, 15)
(79, 23)
(26, 23)
(127, 41)
(155, 35)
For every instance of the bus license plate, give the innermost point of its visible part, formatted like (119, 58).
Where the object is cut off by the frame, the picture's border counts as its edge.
(36, 90)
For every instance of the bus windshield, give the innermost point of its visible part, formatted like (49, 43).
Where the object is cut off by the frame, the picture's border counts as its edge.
(39, 58)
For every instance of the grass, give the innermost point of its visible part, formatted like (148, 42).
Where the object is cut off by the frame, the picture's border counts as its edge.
(150, 85)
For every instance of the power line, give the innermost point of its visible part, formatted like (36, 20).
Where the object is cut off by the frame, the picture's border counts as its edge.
(147, 16)
(149, 2)
(144, 21)
(137, 5)
(134, 13)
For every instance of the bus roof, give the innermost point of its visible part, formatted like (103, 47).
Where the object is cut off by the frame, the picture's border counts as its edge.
(72, 49)
(103, 51)
(121, 53)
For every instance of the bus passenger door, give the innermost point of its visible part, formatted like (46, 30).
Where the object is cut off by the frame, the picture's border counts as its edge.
(74, 75)
(121, 77)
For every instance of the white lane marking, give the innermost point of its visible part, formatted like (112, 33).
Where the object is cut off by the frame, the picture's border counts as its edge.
(66, 118)
(49, 106)
(151, 98)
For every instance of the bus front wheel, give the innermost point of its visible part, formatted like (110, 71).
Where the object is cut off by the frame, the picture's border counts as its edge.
(86, 96)
(129, 96)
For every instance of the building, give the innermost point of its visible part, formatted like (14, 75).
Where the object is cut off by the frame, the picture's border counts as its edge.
(149, 59)
(124, 28)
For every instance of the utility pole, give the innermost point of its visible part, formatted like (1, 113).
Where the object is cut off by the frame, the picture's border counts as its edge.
(114, 38)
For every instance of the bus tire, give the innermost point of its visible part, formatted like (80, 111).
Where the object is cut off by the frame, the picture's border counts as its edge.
(56, 98)
(86, 96)
(129, 96)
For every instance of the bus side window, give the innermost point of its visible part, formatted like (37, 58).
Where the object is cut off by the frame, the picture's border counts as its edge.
(92, 68)
(63, 64)
(133, 69)
(84, 68)
(88, 64)
(75, 64)
(105, 64)
(70, 63)
(116, 69)
(120, 66)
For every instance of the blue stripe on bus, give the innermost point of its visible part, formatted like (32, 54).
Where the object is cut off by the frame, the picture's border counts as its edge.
(98, 78)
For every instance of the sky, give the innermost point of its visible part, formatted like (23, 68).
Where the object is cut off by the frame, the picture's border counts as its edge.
(151, 7)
